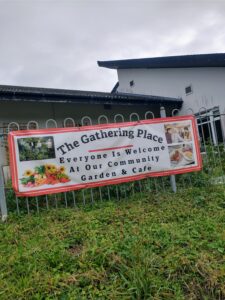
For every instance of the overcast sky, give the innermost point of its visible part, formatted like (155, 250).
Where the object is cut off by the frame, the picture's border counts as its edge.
(57, 43)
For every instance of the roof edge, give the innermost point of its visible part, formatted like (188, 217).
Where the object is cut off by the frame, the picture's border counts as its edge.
(179, 61)
(13, 91)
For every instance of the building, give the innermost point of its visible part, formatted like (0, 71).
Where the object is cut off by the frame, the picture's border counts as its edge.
(181, 84)
(26, 108)
(199, 80)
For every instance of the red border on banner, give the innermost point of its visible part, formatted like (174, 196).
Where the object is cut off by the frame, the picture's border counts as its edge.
(13, 167)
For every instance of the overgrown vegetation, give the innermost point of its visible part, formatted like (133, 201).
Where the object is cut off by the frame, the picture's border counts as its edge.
(153, 246)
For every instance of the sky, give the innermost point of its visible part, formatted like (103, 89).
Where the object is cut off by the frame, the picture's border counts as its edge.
(56, 44)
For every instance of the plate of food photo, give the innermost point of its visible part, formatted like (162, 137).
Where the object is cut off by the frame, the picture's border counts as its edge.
(176, 156)
(182, 156)
(188, 155)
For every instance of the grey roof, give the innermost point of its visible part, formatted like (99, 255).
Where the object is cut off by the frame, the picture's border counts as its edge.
(181, 61)
(34, 94)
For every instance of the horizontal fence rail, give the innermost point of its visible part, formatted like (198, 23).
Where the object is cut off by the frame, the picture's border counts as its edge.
(211, 137)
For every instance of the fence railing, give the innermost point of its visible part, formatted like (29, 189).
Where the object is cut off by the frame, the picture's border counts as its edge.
(213, 170)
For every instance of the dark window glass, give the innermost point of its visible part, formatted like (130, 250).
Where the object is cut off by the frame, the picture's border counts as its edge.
(205, 134)
(131, 83)
(188, 89)
(219, 131)
(203, 120)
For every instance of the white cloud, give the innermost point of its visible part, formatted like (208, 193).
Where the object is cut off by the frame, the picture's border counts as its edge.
(57, 43)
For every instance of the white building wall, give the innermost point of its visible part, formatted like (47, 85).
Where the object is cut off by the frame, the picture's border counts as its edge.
(208, 85)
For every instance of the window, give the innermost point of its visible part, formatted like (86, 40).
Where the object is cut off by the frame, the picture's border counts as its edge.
(188, 90)
(131, 83)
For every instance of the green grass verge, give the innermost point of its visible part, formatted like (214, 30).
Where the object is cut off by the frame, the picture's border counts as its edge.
(167, 246)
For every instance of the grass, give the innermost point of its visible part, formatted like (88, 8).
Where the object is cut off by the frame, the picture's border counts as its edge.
(162, 246)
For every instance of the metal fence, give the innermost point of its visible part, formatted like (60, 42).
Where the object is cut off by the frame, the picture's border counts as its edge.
(211, 139)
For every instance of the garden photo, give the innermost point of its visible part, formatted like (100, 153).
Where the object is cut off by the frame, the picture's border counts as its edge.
(36, 148)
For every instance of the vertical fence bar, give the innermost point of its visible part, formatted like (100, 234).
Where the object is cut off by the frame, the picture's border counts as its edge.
(163, 185)
(173, 183)
(108, 190)
(156, 188)
(47, 205)
(100, 194)
(3, 205)
(92, 196)
(17, 206)
(204, 111)
(1, 176)
(84, 200)
(74, 199)
(65, 197)
(56, 201)
(140, 187)
(206, 161)
(190, 111)
(117, 193)
(37, 204)
(28, 207)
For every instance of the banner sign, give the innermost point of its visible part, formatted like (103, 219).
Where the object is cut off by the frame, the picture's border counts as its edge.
(63, 159)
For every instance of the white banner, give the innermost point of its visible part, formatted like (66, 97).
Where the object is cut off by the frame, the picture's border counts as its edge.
(62, 159)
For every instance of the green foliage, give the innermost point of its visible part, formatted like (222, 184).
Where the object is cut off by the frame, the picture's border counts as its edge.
(40, 170)
(25, 180)
(153, 246)
(214, 160)
(28, 149)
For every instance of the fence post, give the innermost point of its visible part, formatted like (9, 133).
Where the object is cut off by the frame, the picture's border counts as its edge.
(172, 177)
(3, 205)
